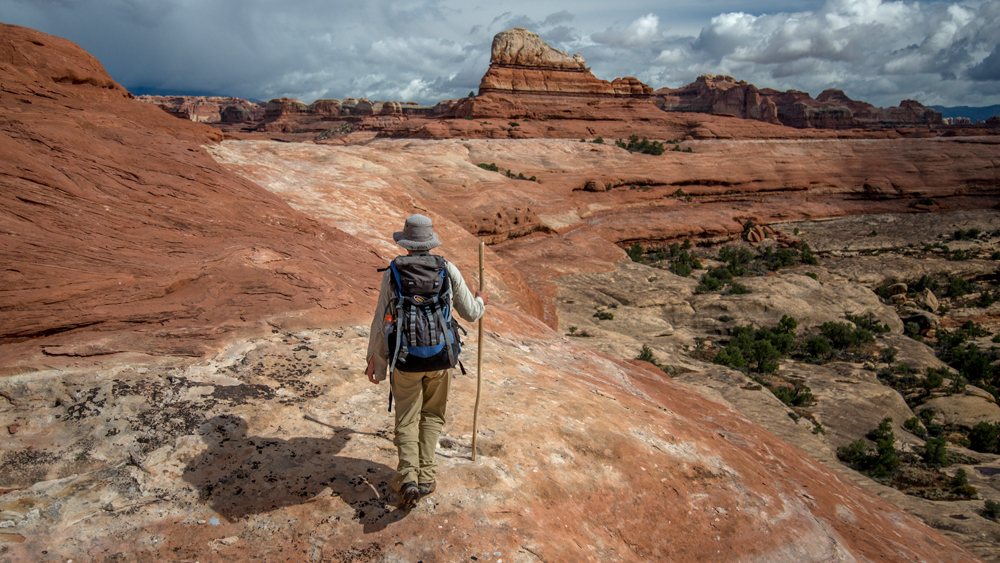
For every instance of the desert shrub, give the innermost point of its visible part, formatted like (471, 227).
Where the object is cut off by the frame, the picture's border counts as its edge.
(604, 315)
(808, 257)
(926, 282)
(957, 287)
(880, 463)
(967, 491)
(636, 253)
(681, 269)
(675, 248)
(843, 335)
(774, 260)
(737, 259)
(492, 167)
(885, 444)
(869, 323)
(599, 140)
(991, 510)
(914, 426)
(758, 350)
(960, 479)
(818, 347)
(856, 454)
(813, 275)
(888, 355)
(644, 146)
(935, 453)
(934, 378)
(985, 437)
(795, 396)
(737, 288)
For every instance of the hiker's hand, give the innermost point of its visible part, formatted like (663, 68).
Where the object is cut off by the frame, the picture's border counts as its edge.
(484, 295)
(370, 371)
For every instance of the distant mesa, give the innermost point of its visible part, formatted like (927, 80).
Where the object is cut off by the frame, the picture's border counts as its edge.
(832, 109)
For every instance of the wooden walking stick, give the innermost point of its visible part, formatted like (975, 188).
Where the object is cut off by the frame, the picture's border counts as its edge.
(479, 361)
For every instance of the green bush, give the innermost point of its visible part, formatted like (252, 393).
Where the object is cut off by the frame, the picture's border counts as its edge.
(967, 491)
(883, 462)
(985, 437)
(991, 510)
(868, 322)
(960, 479)
(957, 287)
(758, 350)
(888, 355)
(644, 146)
(935, 453)
(856, 455)
(934, 379)
(681, 269)
(914, 426)
(885, 444)
(492, 167)
(797, 396)
(604, 315)
(818, 347)
(807, 255)
(926, 282)
(636, 253)
(843, 335)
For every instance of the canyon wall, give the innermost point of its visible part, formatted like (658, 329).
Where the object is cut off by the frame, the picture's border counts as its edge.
(832, 109)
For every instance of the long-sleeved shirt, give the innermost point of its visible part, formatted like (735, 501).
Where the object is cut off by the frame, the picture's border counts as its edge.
(463, 302)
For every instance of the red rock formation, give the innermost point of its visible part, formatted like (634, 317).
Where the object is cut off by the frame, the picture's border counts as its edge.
(830, 110)
(719, 95)
(207, 109)
(114, 219)
(522, 63)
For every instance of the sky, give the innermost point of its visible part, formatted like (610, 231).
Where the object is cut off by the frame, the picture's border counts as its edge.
(937, 52)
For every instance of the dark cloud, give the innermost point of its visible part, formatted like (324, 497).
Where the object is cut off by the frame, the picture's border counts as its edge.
(989, 68)
(558, 17)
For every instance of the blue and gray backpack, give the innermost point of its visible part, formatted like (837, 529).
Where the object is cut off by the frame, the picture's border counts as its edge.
(421, 334)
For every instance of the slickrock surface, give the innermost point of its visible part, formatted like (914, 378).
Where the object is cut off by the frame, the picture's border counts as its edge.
(113, 219)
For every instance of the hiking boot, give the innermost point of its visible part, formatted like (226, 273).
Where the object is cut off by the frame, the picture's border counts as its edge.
(426, 488)
(408, 496)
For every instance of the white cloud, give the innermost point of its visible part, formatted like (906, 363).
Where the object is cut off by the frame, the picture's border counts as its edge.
(640, 32)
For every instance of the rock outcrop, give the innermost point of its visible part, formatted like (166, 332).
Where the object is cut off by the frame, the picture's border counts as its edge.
(520, 62)
(208, 109)
(719, 95)
(115, 222)
(832, 109)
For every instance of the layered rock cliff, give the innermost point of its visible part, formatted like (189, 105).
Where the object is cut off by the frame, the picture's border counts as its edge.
(832, 109)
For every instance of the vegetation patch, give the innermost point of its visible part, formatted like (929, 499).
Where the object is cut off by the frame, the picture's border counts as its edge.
(918, 474)
(644, 146)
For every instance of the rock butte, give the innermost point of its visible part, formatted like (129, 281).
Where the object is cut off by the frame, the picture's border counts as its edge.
(127, 246)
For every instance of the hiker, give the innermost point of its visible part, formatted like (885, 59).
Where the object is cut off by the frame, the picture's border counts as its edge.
(420, 392)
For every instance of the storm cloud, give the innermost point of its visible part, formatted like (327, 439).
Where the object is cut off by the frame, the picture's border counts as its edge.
(938, 52)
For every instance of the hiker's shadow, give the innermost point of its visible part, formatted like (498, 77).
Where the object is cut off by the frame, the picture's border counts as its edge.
(240, 475)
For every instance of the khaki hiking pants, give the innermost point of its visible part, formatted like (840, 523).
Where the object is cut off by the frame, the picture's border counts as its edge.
(421, 399)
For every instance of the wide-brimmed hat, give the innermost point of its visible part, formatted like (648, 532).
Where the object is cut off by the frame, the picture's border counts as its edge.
(417, 234)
